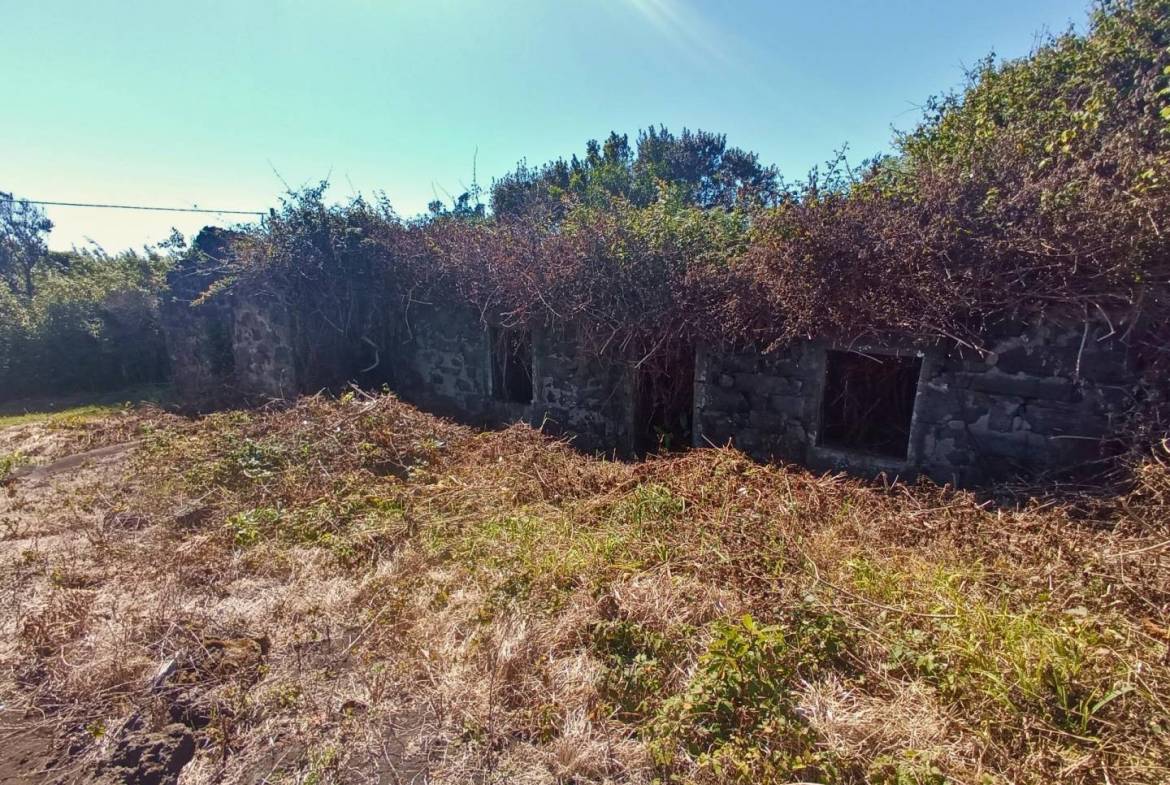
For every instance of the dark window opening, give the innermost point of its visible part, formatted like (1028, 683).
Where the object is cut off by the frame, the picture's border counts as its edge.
(666, 402)
(869, 402)
(511, 365)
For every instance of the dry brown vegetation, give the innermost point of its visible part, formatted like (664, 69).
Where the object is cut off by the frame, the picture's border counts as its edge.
(1039, 190)
(351, 590)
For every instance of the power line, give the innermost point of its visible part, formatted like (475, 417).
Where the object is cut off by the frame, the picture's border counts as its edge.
(6, 198)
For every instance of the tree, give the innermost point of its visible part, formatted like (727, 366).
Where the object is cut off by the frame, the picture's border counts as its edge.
(709, 173)
(696, 167)
(23, 227)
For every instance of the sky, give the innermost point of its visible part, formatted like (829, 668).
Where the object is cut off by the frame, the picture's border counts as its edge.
(227, 105)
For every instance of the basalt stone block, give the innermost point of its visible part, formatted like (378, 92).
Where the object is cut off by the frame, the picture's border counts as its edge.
(1060, 420)
(934, 406)
(1002, 415)
(1106, 365)
(959, 458)
(766, 420)
(1051, 389)
(714, 425)
(1033, 360)
(720, 399)
(767, 384)
(1016, 444)
(788, 405)
(736, 363)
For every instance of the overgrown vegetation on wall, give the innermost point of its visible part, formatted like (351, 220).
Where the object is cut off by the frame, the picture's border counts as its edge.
(1040, 188)
(1043, 185)
(76, 321)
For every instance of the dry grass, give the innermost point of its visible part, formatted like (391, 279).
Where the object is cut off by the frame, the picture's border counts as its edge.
(436, 602)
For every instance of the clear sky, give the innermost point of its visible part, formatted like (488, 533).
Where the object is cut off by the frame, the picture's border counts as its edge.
(209, 103)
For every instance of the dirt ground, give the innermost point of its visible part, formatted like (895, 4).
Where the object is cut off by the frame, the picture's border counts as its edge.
(77, 580)
(50, 500)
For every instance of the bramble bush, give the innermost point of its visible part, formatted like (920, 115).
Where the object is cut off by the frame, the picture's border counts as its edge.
(1039, 189)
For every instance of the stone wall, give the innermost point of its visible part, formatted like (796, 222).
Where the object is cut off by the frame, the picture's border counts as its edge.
(443, 363)
(226, 348)
(199, 333)
(576, 392)
(244, 348)
(758, 402)
(1044, 398)
(262, 349)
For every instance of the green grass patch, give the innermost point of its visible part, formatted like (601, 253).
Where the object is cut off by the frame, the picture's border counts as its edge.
(9, 463)
(540, 553)
(352, 528)
(995, 653)
(640, 664)
(78, 410)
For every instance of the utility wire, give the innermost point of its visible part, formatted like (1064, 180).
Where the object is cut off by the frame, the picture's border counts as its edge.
(6, 198)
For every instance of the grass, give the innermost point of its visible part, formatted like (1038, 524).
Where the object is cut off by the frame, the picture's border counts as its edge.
(76, 410)
(9, 462)
(509, 610)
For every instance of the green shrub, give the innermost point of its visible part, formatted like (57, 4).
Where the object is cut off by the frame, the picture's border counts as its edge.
(737, 717)
(90, 325)
(12, 332)
(638, 662)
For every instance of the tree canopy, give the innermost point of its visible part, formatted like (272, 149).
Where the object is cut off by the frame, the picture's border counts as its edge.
(23, 227)
(695, 167)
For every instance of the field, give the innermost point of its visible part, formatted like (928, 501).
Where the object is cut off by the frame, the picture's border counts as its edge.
(350, 590)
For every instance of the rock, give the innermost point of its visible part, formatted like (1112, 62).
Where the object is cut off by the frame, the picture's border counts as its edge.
(194, 709)
(164, 672)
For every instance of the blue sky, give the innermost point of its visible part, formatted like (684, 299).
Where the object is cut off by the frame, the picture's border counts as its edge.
(203, 103)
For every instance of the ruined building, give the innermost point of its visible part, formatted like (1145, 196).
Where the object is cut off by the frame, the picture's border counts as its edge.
(1046, 397)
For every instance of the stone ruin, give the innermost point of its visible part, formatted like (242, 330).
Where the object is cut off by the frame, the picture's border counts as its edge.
(1045, 398)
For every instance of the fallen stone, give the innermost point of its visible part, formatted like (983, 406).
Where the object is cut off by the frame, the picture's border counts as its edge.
(164, 673)
(191, 515)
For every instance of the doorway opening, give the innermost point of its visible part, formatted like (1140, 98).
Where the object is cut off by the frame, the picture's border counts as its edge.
(511, 357)
(868, 402)
(666, 403)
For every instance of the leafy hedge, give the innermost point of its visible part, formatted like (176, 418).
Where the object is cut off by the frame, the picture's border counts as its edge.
(90, 325)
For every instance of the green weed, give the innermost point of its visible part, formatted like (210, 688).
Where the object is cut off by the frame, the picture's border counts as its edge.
(737, 717)
(1012, 657)
(249, 526)
(10, 462)
(639, 663)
